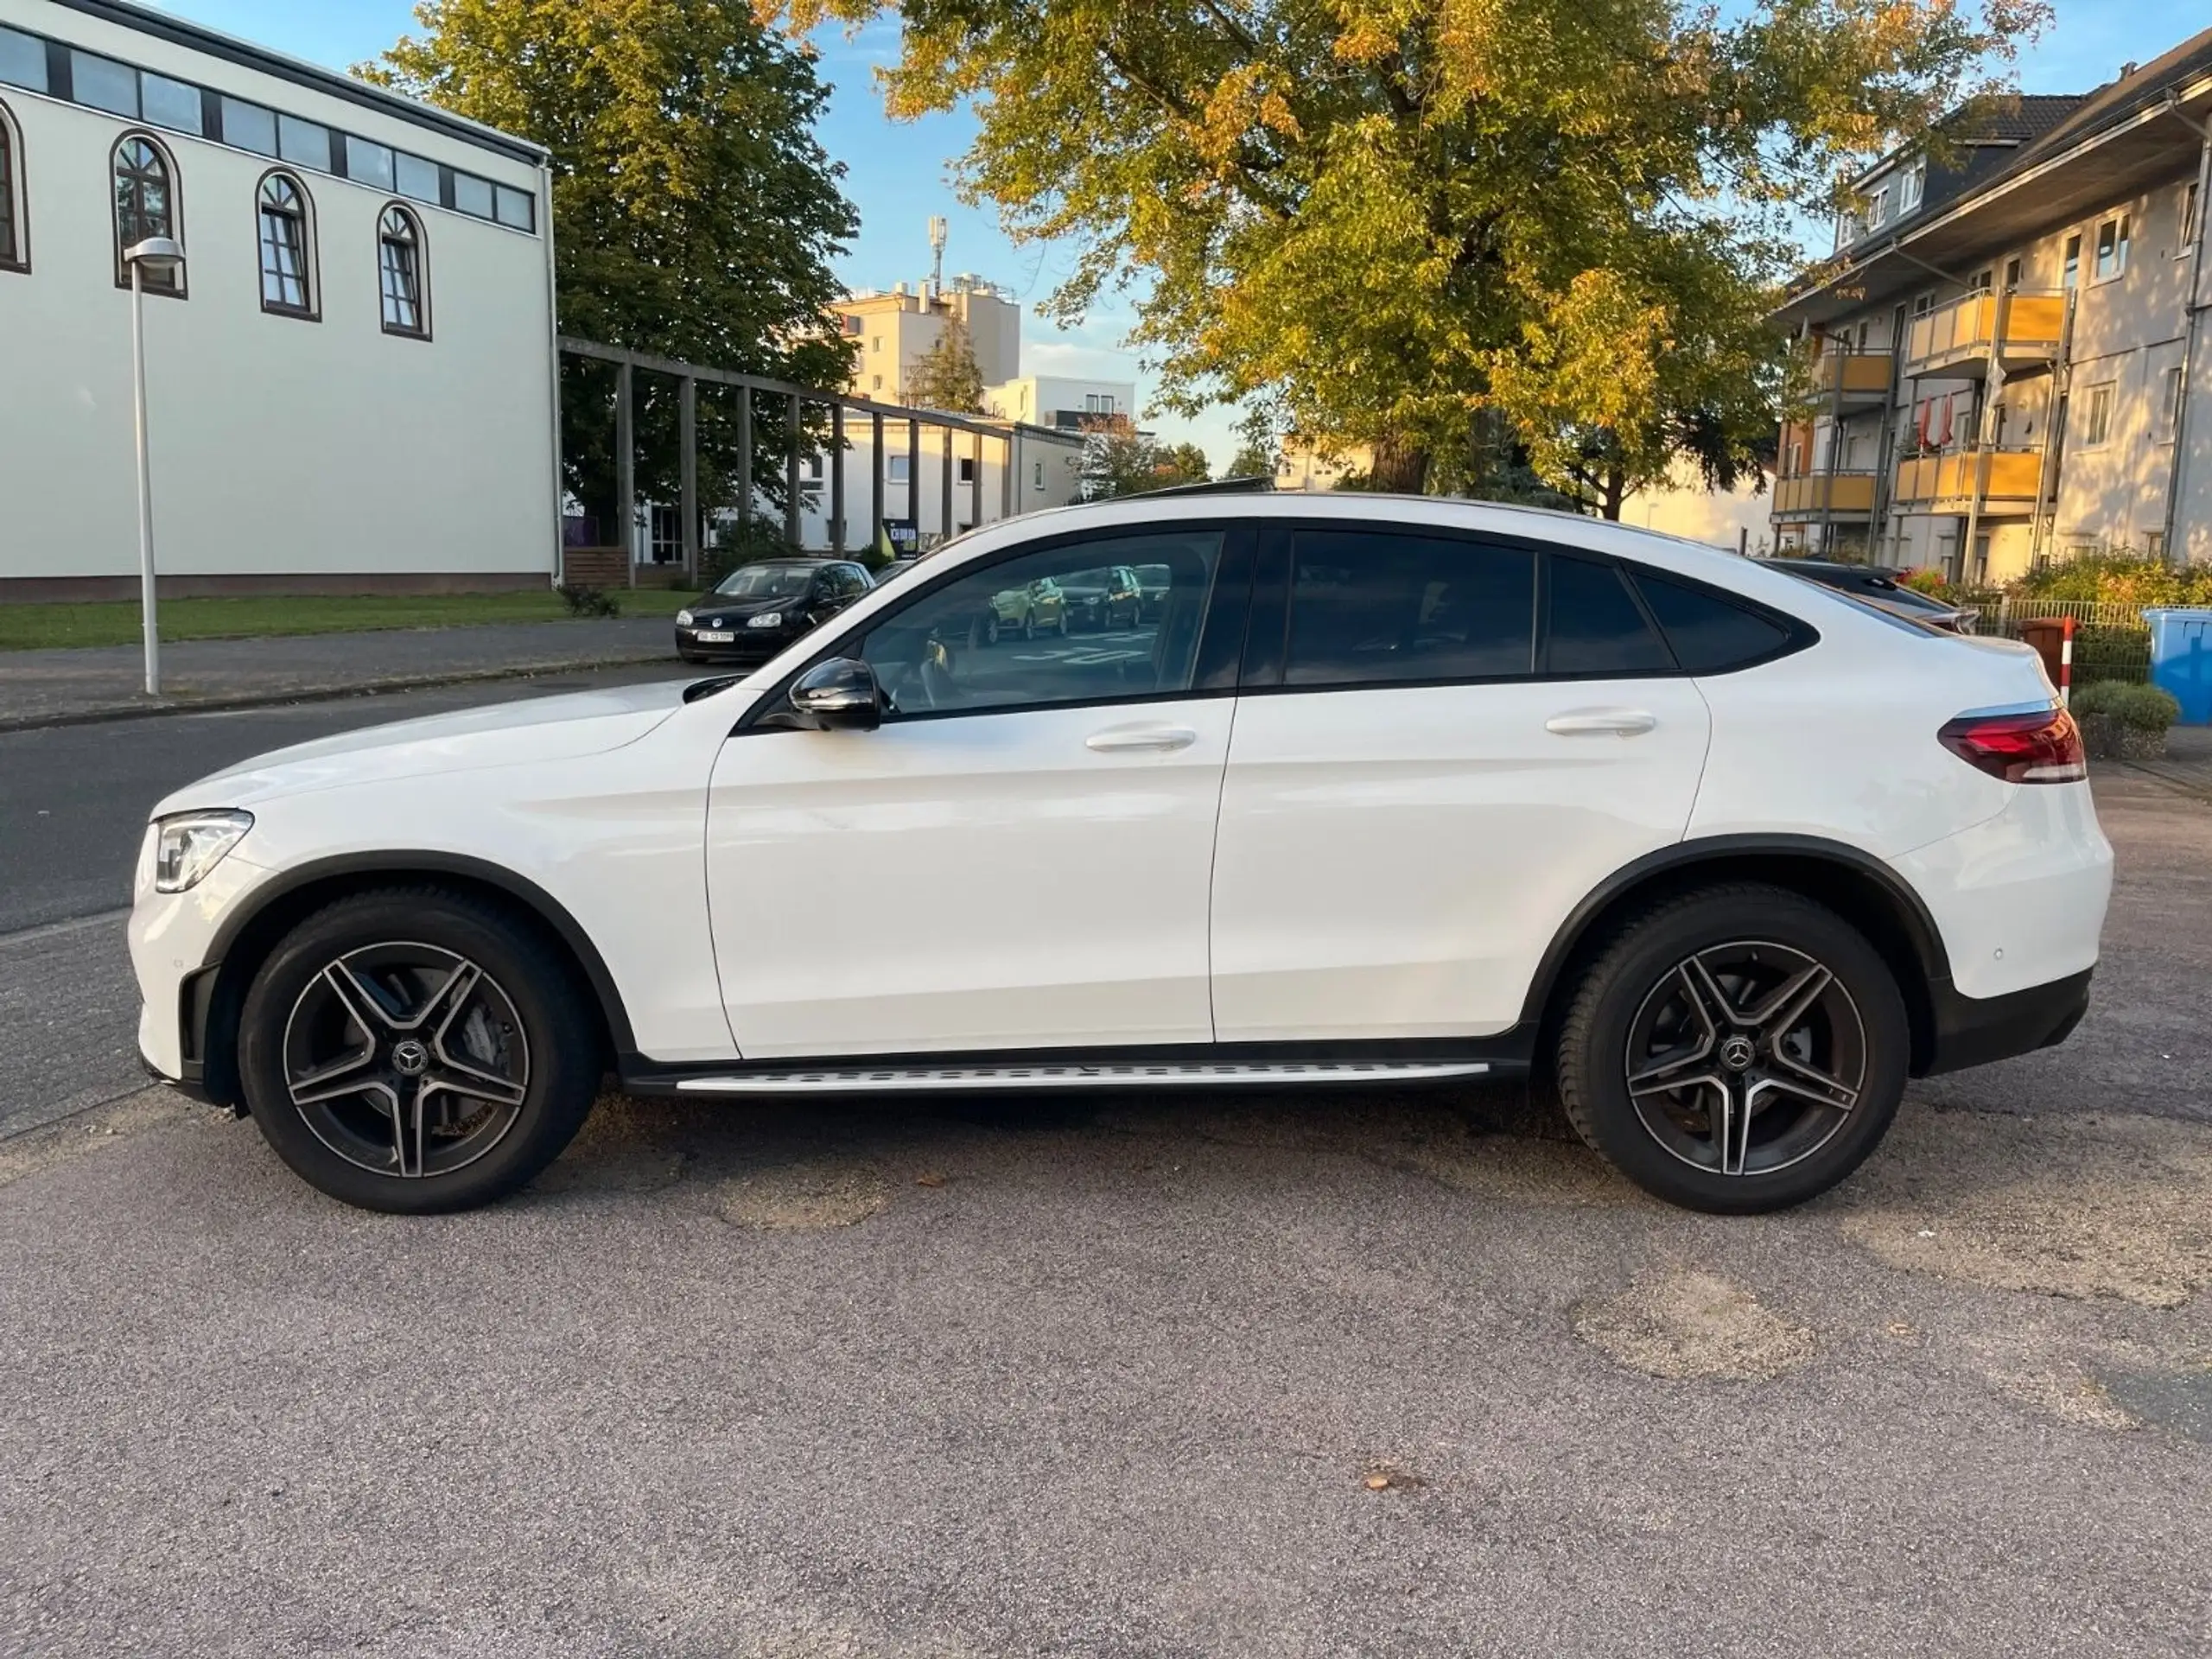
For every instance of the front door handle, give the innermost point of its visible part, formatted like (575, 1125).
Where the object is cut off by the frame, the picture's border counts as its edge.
(1117, 740)
(1615, 722)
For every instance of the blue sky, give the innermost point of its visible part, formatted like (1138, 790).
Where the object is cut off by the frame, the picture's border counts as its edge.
(898, 173)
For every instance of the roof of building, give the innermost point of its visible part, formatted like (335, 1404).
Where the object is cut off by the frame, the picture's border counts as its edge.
(2087, 149)
(162, 25)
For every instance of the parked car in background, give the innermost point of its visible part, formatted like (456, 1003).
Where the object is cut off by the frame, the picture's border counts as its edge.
(1033, 608)
(1154, 582)
(1108, 597)
(1883, 589)
(760, 609)
(1397, 790)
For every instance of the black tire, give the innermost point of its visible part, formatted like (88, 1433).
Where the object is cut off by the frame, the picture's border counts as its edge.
(1029, 625)
(991, 629)
(1062, 630)
(1637, 1011)
(538, 995)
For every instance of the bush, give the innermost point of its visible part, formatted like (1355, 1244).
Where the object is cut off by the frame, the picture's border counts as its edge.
(2120, 721)
(584, 601)
(1929, 581)
(2119, 578)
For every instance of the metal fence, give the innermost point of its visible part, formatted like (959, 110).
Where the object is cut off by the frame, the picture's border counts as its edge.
(2111, 641)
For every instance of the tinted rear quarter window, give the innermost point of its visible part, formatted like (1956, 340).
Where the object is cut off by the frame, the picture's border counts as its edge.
(1368, 608)
(1709, 634)
(1593, 625)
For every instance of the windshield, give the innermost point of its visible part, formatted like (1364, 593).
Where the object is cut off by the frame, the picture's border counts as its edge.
(765, 582)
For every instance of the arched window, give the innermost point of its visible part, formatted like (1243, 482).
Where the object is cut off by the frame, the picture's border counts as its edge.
(287, 247)
(401, 274)
(14, 241)
(145, 205)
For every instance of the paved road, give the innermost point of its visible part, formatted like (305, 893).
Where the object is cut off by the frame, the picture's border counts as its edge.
(73, 801)
(1320, 1375)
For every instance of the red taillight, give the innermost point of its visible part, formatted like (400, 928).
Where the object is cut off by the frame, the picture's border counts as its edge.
(2041, 748)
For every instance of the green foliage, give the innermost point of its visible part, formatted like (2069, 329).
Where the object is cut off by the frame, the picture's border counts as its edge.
(1251, 460)
(1118, 460)
(1932, 581)
(580, 599)
(2120, 577)
(2145, 707)
(695, 214)
(946, 377)
(1379, 220)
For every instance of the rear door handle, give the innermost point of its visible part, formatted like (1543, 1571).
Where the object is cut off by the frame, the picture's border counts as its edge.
(1617, 722)
(1116, 739)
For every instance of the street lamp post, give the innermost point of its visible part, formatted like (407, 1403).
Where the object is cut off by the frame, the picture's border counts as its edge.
(159, 254)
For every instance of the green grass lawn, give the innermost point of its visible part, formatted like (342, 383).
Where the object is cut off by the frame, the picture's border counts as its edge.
(28, 627)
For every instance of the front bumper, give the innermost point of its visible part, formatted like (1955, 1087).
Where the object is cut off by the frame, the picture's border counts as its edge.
(172, 939)
(1975, 1030)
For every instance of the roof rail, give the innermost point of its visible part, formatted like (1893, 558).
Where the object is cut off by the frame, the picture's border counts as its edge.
(1246, 484)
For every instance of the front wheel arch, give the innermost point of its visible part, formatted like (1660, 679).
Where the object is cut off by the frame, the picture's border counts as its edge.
(1851, 882)
(247, 938)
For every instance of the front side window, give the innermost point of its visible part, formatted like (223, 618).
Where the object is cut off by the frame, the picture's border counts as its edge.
(993, 638)
(14, 252)
(287, 280)
(145, 205)
(399, 262)
(1368, 608)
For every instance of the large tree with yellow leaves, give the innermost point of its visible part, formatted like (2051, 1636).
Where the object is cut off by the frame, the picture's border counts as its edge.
(1398, 223)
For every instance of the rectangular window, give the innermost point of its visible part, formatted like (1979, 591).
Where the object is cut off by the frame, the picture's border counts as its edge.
(2168, 411)
(898, 469)
(370, 163)
(249, 126)
(2154, 543)
(876, 383)
(104, 84)
(2112, 248)
(303, 142)
(472, 194)
(1039, 473)
(171, 104)
(1915, 185)
(1373, 609)
(967, 469)
(516, 209)
(1923, 304)
(415, 179)
(2070, 277)
(2011, 275)
(1979, 284)
(2188, 243)
(2096, 420)
(12, 256)
(22, 59)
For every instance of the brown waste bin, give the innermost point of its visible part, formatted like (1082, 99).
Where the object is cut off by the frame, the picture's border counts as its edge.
(2047, 634)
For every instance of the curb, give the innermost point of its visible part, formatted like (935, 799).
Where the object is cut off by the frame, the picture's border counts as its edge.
(322, 693)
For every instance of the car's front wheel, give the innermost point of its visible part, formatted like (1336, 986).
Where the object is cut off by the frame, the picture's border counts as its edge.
(417, 1050)
(1737, 1050)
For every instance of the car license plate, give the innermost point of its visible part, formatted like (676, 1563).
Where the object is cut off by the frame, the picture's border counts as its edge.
(715, 636)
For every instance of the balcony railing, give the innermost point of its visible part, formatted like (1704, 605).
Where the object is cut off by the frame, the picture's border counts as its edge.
(1862, 375)
(1839, 495)
(1957, 339)
(2001, 480)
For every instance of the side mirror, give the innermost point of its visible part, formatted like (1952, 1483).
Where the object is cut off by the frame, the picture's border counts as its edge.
(838, 696)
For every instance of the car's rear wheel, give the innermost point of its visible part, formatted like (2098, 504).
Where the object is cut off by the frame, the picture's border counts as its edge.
(417, 1050)
(1737, 1050)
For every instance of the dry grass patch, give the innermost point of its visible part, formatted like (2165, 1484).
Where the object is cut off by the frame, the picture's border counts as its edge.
(1694, 1325)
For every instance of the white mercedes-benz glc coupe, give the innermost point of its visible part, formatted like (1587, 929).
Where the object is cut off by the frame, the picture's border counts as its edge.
(1382, 789)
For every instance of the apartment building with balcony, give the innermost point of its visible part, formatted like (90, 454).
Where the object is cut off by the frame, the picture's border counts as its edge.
(2005, 357)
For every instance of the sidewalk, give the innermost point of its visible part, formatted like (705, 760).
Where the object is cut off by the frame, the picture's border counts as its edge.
(52, 688)
(2188, 762)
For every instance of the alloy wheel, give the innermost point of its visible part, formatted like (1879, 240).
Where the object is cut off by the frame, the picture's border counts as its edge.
(406, 1060)
(1746, 1058)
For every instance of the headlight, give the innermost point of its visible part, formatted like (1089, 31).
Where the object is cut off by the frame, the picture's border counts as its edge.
(192, 843)
(684, 619)
(770, 619)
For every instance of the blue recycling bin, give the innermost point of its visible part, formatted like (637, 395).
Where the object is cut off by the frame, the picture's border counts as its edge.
(2181, 660)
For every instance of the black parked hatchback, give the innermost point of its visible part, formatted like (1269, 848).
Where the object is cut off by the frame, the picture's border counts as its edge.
(758, 608)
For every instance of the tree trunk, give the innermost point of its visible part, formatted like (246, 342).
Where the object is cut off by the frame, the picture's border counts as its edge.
(1401, 464)
(1613, 493)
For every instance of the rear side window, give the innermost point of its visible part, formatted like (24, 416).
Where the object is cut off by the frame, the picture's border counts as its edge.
(1593, 625)
(1373, 609)
(1710, 634)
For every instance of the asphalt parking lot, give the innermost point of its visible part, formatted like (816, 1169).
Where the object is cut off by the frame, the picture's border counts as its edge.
(1325, 1375)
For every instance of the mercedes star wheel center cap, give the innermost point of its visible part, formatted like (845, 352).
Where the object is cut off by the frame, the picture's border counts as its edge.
(409, 1059)
(1737, 1053)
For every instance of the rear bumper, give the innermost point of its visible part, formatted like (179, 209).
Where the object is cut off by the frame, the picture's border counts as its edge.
(1975, 1030)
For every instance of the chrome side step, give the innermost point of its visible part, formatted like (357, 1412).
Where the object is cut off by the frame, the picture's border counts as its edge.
(890, 1079)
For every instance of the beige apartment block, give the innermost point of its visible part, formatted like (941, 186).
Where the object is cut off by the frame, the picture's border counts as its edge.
(895, 331)
(2006, 355)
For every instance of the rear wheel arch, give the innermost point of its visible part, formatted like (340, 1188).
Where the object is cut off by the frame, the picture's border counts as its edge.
(1855, 885)
(246, 938)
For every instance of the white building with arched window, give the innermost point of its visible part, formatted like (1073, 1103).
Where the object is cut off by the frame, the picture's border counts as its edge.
(350, 382)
